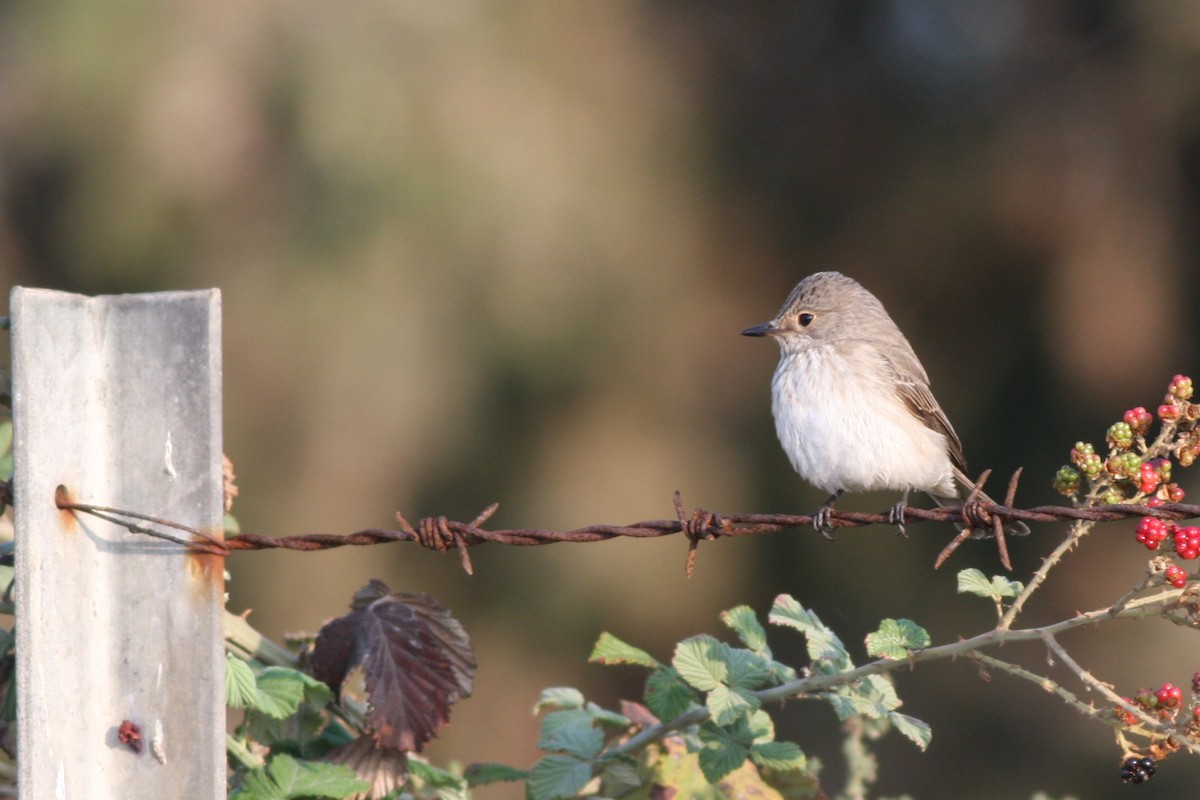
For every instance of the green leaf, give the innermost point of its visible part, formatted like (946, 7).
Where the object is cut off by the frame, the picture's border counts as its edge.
(896, 639)
(619, 778)
(727, 704)
(823, 643)
(280, 692)
(446, 785)
(972, 581)
(747, 670)
(745, 624)
(919, 732)
(605, 717)
(611, 650)
(872, 697)
(781, 756)
(755, 728)
(719, 757)
(285, 778)
(559, 697)
(572, 732)
(667, 695)
(700, 661)
(557, 776)
(484, 773)
(240, 687)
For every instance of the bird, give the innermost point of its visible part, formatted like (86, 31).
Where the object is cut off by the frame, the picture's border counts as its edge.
(852, 403)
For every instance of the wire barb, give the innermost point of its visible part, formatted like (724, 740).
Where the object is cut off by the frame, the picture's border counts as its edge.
(441, 534)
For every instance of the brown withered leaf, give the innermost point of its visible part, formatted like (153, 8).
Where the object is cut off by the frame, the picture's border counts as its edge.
(416, 659)
(383, 770)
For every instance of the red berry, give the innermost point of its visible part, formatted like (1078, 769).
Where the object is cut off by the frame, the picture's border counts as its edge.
(1168, 412)
(1151, 532)
(1181, 387)
(1147, 478)
(1154, 502)
(1138, 419)
(1169, 695)
(1187, 542)
(1175, 576)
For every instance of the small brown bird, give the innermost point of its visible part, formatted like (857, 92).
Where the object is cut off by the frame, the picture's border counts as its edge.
(852, 404)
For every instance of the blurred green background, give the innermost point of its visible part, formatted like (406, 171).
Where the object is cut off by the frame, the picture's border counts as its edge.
(501, 251)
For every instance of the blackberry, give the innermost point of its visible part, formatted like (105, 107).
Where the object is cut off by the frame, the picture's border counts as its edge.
(1137, 770)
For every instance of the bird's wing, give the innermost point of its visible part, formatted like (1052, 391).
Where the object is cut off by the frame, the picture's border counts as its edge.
(912, 385)
(921, 403)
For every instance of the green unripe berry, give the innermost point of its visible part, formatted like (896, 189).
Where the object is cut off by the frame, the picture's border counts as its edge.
(1119, 436)
(1066, 481)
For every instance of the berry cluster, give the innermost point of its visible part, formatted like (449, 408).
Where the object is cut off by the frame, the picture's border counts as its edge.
(1136, 468)
(1187, 542)
(1163, 702)
(1151, 532)
(1176, 576)
(1137, 770)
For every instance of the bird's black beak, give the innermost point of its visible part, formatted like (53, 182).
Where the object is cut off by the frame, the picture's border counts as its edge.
(759, 330)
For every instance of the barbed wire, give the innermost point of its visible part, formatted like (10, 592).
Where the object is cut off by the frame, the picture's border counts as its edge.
(441, 533)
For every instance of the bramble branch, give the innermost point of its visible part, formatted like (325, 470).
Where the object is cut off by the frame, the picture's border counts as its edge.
(1153, 605)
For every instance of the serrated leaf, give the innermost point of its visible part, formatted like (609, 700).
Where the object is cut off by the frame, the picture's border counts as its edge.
(241, 689)
(727, 704)
(919, 732)
(571, 732)
(667, 695)
(416, 660)
(557, 776)
(605, 717)
(872, 697)
(559, 697)
(304, 734)
(823, 643)
(700, 661)
(619, 778)
(745, 624)
(747, 670)
(780, 756)
(755, 728)
(285, 778)
(280, 692)
(482, 774)
(382, 769)
(611, 650)
(897, 639)
(972, 581)
(719, 758)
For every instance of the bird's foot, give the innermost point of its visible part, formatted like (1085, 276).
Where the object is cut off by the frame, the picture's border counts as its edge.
(896, 515)
(822, 517)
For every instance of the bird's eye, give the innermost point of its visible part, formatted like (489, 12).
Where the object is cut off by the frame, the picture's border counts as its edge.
(805, 320)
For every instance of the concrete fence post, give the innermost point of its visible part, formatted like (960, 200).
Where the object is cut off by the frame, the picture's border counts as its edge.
(119, 400)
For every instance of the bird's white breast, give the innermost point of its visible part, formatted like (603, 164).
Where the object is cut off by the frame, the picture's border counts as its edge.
(844, 427)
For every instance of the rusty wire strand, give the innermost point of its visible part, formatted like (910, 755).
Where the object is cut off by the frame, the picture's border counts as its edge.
(440, 533)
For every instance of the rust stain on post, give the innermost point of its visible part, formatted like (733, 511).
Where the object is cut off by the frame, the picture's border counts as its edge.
(62, 496)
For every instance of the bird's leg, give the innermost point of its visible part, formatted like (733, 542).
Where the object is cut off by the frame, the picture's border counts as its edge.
(896, 514)
(821, 519)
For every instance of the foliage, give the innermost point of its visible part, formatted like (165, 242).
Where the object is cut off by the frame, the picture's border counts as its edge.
(319, 738)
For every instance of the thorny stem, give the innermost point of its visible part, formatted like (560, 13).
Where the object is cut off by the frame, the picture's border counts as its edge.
(1143, 607)
(1078, 530)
